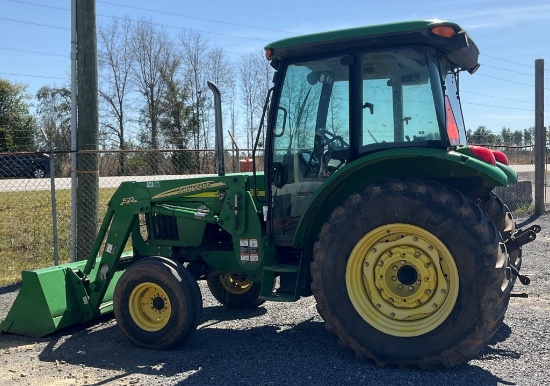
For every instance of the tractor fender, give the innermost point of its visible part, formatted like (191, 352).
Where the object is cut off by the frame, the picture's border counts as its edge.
(437, 164)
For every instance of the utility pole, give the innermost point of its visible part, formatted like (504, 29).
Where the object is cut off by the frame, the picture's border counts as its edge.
(87, 128)
(540, 138)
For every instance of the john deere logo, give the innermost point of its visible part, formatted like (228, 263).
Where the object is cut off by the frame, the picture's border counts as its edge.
(193, 188)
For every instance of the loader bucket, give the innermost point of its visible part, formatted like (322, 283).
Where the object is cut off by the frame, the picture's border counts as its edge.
(53, 298)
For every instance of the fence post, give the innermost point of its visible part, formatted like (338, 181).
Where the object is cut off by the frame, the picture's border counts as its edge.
(540, 137)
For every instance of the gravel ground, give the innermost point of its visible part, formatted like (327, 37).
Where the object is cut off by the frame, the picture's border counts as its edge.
(278, 343)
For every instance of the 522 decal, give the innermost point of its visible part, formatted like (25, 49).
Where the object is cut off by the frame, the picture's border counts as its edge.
(128, 201)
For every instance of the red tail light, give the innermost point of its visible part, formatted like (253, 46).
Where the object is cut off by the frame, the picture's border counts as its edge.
(500, 157)
(484, 154)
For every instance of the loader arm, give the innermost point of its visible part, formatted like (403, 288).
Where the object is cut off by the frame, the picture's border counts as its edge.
(68, 294)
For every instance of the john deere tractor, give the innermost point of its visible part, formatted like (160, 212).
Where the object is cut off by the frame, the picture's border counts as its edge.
(371, 200)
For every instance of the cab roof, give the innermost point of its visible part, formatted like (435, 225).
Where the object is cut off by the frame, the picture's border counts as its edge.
(456, 46)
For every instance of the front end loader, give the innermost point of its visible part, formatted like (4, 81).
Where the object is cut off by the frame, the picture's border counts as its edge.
(372, 201)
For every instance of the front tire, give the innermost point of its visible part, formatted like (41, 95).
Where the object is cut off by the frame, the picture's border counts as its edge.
(157, 303)
(411, 272)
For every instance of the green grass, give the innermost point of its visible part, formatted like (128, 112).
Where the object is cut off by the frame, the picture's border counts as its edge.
(26, 234)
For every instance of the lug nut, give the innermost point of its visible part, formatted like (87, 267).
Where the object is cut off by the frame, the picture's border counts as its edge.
(394, 268)
(394, 278)
(402, 262)
(400, 286)
(428, 292)
(411, 288)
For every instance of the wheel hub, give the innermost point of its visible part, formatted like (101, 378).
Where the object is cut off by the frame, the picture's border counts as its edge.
(149, 306)
(402, 280)
(158, 303)
(407, 275)
(236, 284)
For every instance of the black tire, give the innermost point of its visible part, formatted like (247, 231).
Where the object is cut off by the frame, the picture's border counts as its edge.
(397, 225)
(235, 290)
(157, 303)
(504, 221)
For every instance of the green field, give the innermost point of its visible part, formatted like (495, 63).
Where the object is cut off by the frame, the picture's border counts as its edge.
(26, 235)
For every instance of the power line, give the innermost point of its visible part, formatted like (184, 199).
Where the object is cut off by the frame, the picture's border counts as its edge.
(148, 10)
(508, 80)
(131, 20)
(38, 24)
(33, 76)
(505, 69)
(509, 61)
(33, 52)
(500, 107)
(193, 17)
(494, 96)
(42, 5)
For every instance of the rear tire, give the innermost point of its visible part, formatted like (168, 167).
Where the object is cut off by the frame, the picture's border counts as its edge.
(411, 273)
(235, 290)
(157, 303)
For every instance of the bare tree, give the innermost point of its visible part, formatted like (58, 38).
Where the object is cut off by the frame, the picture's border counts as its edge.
(115, 65)
(152, 53)
(265, 76)
(54, 117)
(221, 71)
(252, 88)
(194, 50)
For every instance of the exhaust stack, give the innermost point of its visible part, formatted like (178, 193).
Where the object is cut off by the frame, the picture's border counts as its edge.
(219, 129)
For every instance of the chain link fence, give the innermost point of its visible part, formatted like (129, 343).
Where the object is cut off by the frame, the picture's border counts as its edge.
(32, 203)
(520, 196)
(35, 194)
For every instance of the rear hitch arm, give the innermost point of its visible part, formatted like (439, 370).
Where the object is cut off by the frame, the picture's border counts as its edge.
(519, 238)
(522, 237)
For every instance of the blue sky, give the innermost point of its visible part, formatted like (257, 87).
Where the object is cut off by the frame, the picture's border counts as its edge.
(35, 39)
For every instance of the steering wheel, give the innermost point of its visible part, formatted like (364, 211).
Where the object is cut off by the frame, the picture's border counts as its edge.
(326, 142)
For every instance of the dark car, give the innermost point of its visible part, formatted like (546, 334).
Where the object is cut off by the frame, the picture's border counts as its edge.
(24, 165)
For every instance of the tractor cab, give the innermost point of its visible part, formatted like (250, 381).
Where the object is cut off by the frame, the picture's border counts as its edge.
(341, 96)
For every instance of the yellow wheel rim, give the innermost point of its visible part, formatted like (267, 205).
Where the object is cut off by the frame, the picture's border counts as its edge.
(149, 307)
(236, 284)
(402, 280)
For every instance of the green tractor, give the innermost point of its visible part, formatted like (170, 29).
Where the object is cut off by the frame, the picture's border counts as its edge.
(371, 201)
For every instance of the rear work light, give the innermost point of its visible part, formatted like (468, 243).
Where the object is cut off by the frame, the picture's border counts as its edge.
(484, 154)
(444, 30)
